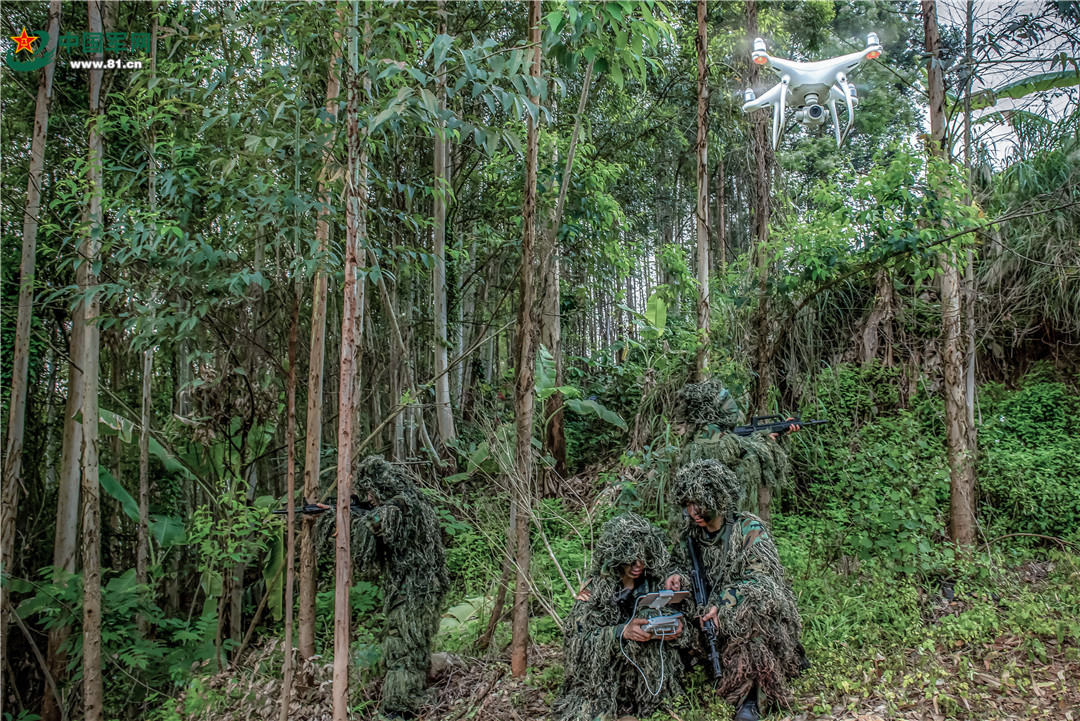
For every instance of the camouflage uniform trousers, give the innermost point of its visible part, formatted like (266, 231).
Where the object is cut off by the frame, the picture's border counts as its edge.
(407, 654)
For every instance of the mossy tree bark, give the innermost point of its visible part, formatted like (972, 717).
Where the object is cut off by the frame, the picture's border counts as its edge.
(961, 468)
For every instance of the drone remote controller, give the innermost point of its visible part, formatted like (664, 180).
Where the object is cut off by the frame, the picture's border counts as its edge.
(659, 624)
(663, 626)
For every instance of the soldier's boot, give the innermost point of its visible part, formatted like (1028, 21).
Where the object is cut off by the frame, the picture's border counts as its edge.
(748, 711)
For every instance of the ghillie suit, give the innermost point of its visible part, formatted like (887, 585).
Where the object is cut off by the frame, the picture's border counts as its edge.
(400, 543)
(710, 414)
(758, 622)
(601, 679)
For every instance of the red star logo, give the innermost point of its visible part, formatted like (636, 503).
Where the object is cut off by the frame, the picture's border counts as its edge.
(23, 41)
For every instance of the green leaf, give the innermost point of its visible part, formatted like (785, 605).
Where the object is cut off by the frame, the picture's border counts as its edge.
(166, 530)
(1026, 86)
(115, 490)
(590, 406)
(656, 313)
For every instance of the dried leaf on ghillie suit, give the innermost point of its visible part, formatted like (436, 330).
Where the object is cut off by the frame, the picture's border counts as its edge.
(601, 678)
(400, 543)
(711, 413)
(759, 622)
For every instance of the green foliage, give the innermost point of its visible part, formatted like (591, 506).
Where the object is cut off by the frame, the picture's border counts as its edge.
(1030, 459)
(884, 485)
(156, 660)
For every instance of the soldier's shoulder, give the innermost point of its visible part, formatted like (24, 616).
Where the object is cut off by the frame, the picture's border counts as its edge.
(752, 529)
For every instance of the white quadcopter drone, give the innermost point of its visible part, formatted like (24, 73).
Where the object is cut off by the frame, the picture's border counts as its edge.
(803, 85)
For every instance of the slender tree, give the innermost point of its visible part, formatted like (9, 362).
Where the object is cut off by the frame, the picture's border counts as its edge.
(444, 415)
(316, 358)
(290, 501)
(702, 43)
(961, 468)
(93, 690)
(550, 313)
(16, 428)
(524, 371)
(142, 543)
(354, 203)
(762, 185)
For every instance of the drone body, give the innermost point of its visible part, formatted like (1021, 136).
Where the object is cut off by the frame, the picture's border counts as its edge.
(804, 87)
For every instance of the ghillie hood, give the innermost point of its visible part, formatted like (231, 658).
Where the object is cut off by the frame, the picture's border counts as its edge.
(709, 484)
(381, 478)
(625, 539)
(708, 403)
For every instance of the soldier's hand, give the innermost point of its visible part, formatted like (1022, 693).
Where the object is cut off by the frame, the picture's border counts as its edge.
(710, 615)
(633, 631)
(678, 630)
(791, 429)
(673, 583)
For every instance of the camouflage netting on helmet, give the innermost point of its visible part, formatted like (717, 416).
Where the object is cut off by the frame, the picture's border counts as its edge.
(759, 622)
(709, 484)
(600, 679)
(400, 543)
(627, 538)
(708, 403)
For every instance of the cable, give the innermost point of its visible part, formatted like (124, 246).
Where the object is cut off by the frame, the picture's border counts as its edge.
(622, 650)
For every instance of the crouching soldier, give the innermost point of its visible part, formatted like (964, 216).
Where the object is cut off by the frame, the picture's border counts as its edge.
(396, 537)
(749, 600)
(614, 664)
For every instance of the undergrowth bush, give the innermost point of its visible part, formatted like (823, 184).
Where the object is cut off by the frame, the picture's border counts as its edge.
(1029, 458)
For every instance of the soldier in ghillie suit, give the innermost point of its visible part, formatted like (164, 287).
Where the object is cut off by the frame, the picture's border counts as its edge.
(399, 541)
(612, 664)
(710, 413)
(749, 599)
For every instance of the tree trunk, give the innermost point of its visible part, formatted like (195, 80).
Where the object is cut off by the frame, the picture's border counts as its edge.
(290, 505)
(961, 469)
(316, 358)
(354, 203)
(444, 415)
(879, 313)
(142, 542)
(142, 548)
(550, 312)
(93, 690)
(721, 229)
(702, 196)
(524, 365)
(969, 281)
(763, 157)
(16, 428)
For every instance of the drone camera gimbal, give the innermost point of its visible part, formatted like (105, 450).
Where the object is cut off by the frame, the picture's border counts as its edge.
(804, 86)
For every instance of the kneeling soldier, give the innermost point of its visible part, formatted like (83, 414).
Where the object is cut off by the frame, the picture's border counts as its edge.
(749, 599)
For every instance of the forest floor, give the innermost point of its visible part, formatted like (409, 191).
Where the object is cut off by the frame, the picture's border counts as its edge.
(999, 679)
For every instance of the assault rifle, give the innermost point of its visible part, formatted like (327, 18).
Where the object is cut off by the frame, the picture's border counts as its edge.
(313, 509)
(701, 598)
(772, 424)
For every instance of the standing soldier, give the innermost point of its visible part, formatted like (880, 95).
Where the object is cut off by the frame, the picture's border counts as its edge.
(749, 600)
(612, 662)
(709, 414)
(399, 540)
